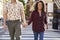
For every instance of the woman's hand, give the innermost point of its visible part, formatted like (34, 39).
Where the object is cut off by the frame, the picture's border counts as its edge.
(46, 26)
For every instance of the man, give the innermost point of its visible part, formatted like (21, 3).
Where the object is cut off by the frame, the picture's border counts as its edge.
(13, 13)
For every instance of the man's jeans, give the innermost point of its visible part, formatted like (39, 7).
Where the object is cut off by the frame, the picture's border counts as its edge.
(41, 35)
(14, 29)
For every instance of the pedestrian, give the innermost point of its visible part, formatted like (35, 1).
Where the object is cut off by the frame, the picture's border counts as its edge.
(38, 19)
(13, 13)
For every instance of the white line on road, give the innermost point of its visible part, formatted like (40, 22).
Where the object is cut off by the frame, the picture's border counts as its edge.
(33, 38)
(33, 35)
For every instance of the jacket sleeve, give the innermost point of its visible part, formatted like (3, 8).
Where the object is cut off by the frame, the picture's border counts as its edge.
(45, 19)
(31, 19)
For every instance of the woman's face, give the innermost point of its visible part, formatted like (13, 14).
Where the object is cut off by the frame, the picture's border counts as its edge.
(39, 6)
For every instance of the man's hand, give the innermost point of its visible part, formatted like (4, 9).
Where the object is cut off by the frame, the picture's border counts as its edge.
(4, 27)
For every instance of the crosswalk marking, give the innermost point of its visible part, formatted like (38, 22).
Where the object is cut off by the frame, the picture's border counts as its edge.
(27, 38)
(33, 35)
(28, 35)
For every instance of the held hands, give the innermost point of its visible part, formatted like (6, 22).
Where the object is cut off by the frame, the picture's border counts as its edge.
(25, 24)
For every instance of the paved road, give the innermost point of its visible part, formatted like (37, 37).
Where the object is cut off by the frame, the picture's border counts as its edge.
(27, 34)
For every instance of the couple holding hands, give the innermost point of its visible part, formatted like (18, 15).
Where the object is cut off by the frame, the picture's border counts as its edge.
(14, 11)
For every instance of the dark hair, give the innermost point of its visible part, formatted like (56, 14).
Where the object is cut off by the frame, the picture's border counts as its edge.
(36, 6)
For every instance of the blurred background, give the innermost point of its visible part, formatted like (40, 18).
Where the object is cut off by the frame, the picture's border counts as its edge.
(52, 8)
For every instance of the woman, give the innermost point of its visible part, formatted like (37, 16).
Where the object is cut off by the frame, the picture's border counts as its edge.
(38, 19)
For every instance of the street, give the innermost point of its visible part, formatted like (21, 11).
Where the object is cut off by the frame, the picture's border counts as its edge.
(27, 34)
